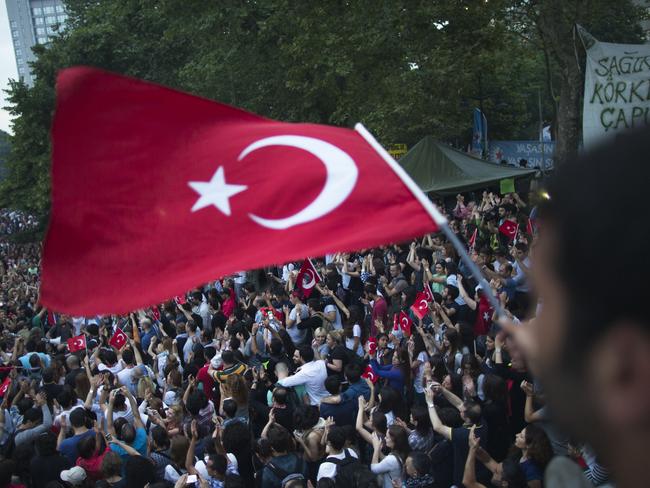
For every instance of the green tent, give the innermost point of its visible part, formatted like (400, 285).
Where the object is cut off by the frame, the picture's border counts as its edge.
(440, 169)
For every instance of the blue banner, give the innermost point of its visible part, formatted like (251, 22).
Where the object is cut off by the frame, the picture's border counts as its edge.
(514, 151)
(479, 134)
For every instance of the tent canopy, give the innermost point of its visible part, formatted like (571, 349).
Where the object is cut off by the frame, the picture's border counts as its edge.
(440, 169)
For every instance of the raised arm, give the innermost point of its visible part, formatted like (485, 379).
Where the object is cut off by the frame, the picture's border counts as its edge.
(438, 426)
(469, 475)
(361, 430)
(189, 458)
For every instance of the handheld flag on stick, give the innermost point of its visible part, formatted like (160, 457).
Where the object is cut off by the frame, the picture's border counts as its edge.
(307, 278)
(125, 132)
(77, 343)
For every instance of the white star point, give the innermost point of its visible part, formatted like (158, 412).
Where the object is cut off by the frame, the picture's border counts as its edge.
(215, 192)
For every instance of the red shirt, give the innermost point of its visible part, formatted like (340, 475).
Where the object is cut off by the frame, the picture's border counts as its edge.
(93, 466)
(206, 380)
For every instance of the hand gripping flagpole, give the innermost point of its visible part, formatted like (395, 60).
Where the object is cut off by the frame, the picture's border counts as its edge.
(435, 214)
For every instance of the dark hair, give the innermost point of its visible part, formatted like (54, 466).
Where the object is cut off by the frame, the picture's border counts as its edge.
(34, 415)
(280, 395)
(305, 417)
(111, 464)
(539, 446)
(229, 407)
(195, 402)
(400, 438)
(127, 433)
(512, 473)
(48, 375)
(472, 412)
(65, 397)
(228, 357)
(420, 462)
(279, 438)
(423, 421)
(46, 443)
(160, 437)
(389, 400)
(352, 372)
(276, 346)
(306, 353)
(450, 417)
(379, 421)
(139, 471)
(495, 389)
(578, 191)
(337, 437)
(452, 291)
(333, 384)
(128, 357)
(86, 446)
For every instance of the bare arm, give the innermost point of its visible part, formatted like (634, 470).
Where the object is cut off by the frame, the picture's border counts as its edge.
(438, 426)
(361, 430)
(469, 475)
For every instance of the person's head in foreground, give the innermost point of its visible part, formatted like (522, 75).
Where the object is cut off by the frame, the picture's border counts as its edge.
(590, 342)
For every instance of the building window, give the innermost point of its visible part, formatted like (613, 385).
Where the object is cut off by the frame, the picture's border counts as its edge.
(48, 10)
(37, 11)
(51, 20)
(50, 30)
(62, 18)
(13, 24)
(40, 31)
(14, 34)
(21, 70)
(42, 40)
(60, 9)
(38, 20)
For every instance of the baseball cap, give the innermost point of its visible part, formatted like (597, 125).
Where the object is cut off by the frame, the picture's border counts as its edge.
(75, 475)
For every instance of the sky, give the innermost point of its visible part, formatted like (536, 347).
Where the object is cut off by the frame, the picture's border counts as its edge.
(8, 67)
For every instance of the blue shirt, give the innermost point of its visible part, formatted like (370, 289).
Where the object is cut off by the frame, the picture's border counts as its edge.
(344, 413)
(69, 446)
(355, 390)
(139, 444)
(24, 360)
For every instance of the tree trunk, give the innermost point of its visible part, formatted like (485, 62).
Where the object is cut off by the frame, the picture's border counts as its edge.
(569, 115)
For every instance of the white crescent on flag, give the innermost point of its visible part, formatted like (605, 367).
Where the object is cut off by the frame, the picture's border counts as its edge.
(308, 279)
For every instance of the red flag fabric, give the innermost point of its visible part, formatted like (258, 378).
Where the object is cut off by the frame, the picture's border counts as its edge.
(174, 175)
(370, 374)
(5, 386)
(51, 318)
(77, 343)
(307, 278)
(405, 323)
(119, 339)
(428, 292)
(508, 229)
(472, 240)
(420, 306)
(530, 227)
(372, 345)
(155, 313)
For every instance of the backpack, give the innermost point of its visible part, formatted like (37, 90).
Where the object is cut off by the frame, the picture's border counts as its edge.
(350, 473)
(286, 476)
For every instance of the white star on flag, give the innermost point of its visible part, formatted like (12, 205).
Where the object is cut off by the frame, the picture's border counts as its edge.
(215, 192)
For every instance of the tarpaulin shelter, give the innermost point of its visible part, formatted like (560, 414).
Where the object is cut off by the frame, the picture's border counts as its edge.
(438, 168)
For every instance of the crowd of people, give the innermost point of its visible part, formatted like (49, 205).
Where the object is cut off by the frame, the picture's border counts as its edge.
(247, 381)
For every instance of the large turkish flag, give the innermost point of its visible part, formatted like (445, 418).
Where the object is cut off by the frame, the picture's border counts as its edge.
(155, 191)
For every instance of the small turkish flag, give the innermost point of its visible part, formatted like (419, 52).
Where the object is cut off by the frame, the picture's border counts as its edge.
(180, 299)
(508, 229)
(403, 322)
(5, 386)
(372, 345)
(77, 343)
(530, 227)
(420, 306)
(307, 278)
(155, 313)
(119, 339)
(370, 374)
(472, 240)
(428, 292)
(216, 171)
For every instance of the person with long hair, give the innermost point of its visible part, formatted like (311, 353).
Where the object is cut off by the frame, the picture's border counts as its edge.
(418, 357)
(536, 453)
(397, 374)
(451, 350)
(353, 331)
(421, 437)
(391, 467)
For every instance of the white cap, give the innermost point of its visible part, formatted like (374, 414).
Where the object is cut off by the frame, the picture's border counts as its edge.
(75, 475)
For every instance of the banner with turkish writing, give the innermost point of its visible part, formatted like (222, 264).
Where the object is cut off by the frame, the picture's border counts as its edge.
(185, 190)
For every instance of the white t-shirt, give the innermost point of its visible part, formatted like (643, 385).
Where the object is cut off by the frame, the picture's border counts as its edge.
(390, 468)
(328, 470)
(337, 323)
(349, 342)
(297, 335)
(423, 357)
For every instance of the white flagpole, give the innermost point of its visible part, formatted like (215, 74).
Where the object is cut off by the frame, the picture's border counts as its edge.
(435, 214)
